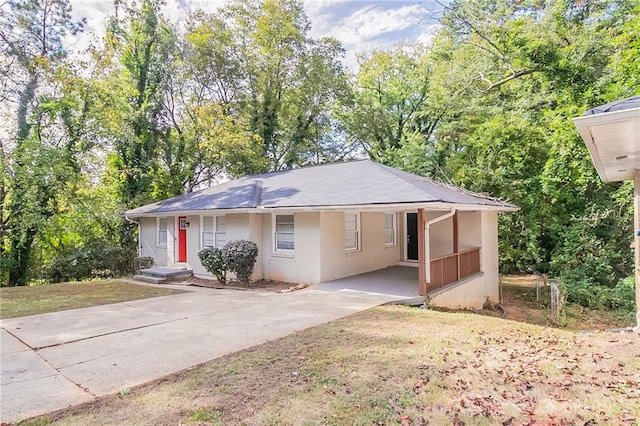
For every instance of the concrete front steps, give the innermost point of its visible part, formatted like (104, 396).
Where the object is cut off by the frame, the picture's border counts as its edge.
(162, 275)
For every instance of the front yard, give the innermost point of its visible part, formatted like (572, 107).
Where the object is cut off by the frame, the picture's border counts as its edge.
(23, 301)
(396, 365)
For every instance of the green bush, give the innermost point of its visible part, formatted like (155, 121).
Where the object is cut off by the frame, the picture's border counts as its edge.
(143, 262)
(212, 260)
(240, 256)
(624, 294)
(587, 293)
(89, 262)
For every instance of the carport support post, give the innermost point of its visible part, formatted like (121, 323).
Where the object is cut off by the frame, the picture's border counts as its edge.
(422, 266)
(636, 240)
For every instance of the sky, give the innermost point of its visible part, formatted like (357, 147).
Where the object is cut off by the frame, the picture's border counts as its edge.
(361, 25)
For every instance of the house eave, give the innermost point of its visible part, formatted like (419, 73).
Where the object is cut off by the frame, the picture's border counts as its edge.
(612, 139)
(354, 207)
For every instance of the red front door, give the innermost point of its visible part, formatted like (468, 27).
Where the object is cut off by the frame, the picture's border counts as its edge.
(182, 238)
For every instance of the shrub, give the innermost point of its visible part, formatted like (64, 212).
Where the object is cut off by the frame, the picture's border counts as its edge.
(142, 262)
(591, 295)
(624, 294)
(89, 262)
(240, 256)
(212, 260)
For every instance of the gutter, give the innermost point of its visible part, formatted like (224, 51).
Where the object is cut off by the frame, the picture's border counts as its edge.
(427, 253)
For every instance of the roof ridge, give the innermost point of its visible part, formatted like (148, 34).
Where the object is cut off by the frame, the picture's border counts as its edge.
(398, 173)
(309, 166)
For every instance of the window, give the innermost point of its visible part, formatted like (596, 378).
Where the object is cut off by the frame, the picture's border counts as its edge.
(284, 232)
(390, 229)
(351, 231)
(162, 231)
(214, 231)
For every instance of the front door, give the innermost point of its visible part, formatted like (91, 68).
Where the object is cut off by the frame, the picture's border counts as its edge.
(182, 238)
(412, 236)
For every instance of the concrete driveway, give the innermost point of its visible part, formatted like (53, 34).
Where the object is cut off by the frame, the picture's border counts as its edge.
(55, 360)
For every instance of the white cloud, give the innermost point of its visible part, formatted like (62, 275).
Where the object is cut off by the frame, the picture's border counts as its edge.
(372, 21)
(368, 25)
(314, 7)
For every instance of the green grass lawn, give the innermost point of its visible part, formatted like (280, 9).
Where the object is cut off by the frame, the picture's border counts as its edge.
(23, 301)
(394, 365)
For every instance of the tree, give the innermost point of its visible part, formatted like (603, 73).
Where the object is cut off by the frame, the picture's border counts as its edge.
(142, 42)
(33, 166)
(509, 77)
(256, 60)
(391, 100)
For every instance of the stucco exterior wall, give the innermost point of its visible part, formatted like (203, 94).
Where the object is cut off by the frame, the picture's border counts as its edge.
(472, 293)
(239, 226)
(148, 240)
(373, 254)
(469, 230)
(301, 266)
(440, 235)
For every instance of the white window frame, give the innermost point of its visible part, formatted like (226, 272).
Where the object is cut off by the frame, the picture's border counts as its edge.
(216, 232)
(158, 230)
(357, 231)
(275, 233)
(394, 229)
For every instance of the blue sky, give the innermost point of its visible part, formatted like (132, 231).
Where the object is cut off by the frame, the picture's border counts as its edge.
(361, 25)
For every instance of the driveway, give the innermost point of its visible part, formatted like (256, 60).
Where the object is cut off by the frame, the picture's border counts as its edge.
(52, 361)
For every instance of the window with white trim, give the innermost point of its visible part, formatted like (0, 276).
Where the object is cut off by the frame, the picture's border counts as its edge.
(162, 231)
(352, 231)
(214, 231)
(284, 233)
(390, 229)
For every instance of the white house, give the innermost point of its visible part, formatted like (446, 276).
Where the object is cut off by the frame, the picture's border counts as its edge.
(321, 223)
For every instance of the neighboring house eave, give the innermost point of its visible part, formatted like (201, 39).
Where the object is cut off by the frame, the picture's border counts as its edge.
(612, 139)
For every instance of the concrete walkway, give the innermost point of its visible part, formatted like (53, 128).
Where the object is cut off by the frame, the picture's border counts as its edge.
(55, 360)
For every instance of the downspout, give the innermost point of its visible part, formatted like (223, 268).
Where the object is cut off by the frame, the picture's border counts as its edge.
(128, 219)
(427, 251)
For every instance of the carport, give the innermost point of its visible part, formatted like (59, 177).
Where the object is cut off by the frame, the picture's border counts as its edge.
(395, 281)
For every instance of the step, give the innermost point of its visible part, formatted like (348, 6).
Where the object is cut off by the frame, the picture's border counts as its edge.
(150, 279)
(167, 272)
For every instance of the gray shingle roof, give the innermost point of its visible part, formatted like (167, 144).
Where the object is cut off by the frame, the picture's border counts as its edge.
(619, 105)
(338, 184)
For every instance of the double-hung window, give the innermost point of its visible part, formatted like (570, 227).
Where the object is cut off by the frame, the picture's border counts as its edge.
(352, 231)
(390, 229)
(214, 231)
(162, 231)
(284, 233)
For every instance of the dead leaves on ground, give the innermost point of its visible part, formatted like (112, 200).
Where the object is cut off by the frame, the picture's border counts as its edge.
(513, 378)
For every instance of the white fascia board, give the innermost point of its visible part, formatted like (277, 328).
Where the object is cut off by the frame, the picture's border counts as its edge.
(606, 117)
(392, 207)
(361, 207)
(191, 213)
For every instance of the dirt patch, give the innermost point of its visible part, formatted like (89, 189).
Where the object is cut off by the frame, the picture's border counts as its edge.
(396, 365)
(260, 285)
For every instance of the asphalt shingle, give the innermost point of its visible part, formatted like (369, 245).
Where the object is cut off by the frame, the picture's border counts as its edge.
(350, 183)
